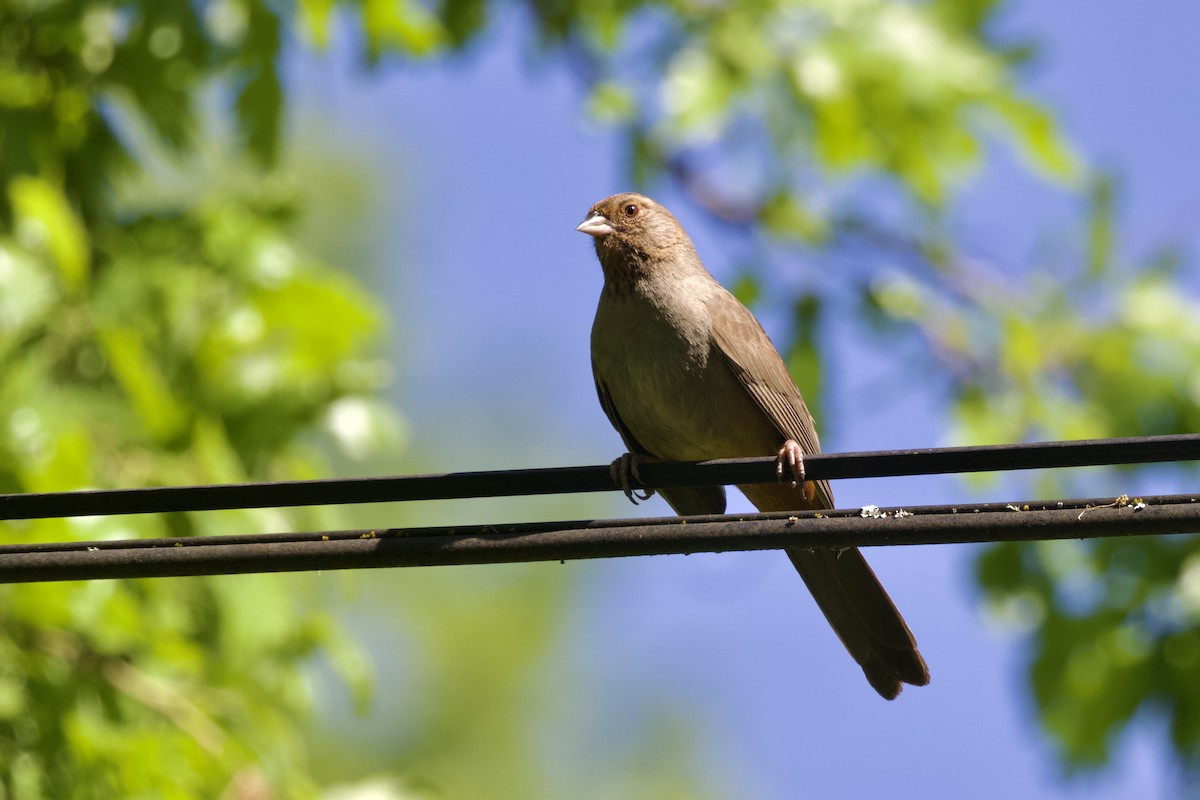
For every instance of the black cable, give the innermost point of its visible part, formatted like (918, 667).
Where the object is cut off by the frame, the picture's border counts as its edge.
(1038, 455)
(553, 541)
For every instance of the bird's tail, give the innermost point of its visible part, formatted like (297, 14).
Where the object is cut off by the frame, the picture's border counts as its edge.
(851, 597)
(863, 617)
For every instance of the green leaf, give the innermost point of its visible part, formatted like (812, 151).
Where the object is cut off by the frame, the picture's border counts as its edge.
(162, 416)
(27, 293)
(1101, 222)
(463, 19)
(315, 19)
(400, 24)
(787, 216)
(45, 222)
(804, 356)
(612, 102)
(746, 287)
(696, 93)
(999, 570)
(1037, 137)
(260, 102)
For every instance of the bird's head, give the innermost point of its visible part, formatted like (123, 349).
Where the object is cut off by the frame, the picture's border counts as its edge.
(634, 230)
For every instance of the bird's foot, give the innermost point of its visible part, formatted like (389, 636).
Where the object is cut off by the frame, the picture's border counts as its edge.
(624, 468)
(790, 460)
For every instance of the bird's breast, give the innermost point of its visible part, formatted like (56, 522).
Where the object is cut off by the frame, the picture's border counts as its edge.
(670, 387)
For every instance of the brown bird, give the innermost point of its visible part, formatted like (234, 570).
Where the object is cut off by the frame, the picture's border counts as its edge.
(686, 373)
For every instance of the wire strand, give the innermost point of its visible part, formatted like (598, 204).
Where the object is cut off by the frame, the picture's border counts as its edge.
(582, 539)
(558, 480)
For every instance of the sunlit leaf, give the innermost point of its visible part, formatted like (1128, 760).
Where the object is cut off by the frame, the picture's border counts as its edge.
(316, 21)
(1037, 137)
(612, 102)
(27, 292)
(400, 24)
(163, 416)
(45, 221)
(787, 216)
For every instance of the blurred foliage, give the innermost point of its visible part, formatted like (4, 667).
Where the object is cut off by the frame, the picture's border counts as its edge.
(174, 348)
(162, 344)
(186, 338)
(1085, 345)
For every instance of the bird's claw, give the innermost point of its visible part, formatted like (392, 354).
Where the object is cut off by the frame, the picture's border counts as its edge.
(621, 470)
(791, 457)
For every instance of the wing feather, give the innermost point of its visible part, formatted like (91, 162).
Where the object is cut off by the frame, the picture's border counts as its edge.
(756, 364)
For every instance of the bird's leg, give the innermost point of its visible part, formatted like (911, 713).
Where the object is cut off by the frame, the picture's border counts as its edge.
(621, 470)
(791, 457)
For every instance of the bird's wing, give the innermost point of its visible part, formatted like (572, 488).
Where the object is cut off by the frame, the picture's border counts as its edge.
(686, 500)
(610, 411)
(849, 594)
(748, 351)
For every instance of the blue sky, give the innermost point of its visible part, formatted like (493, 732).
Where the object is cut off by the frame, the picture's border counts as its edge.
(485, 167)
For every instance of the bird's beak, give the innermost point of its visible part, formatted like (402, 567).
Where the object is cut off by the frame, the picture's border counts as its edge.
(596, 225)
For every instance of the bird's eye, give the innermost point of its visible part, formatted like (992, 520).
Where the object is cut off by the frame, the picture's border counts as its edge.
(631, 210)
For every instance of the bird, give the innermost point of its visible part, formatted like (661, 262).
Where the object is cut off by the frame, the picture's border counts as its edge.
(685, 372)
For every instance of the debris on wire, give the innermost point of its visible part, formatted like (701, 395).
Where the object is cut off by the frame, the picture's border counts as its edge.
(561, 541)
